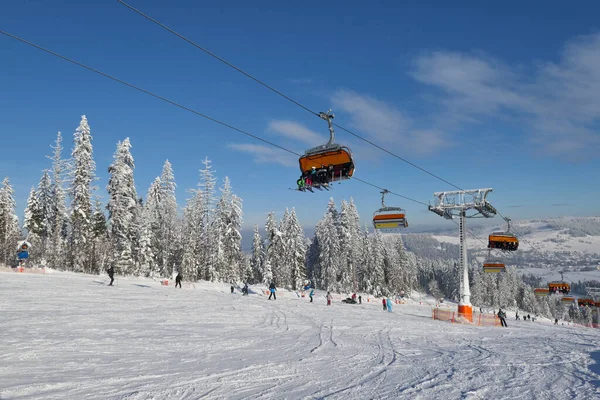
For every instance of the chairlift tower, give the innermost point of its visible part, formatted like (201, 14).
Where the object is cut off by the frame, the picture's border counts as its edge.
(463, 204)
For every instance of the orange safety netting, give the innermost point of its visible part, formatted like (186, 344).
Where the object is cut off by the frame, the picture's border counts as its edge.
(479, 319)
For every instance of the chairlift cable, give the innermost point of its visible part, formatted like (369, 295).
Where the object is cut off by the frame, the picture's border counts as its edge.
(174, 103)
(297, 103)
(278, 92)
(166, 100)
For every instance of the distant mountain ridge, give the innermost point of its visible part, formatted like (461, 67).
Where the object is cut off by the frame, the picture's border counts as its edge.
(547, 246)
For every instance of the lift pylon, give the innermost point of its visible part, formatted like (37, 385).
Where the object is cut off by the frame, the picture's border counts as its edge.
(463, 204)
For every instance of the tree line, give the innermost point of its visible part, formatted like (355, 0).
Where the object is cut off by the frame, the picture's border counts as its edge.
(70, 229)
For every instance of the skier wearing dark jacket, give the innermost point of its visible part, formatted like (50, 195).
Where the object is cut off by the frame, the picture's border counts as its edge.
(111, 275)
(178, 280)
(272, 289)
(502, 316)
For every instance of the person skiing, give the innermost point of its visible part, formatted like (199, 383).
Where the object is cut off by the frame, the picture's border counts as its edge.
(384, 305)
(359, 299)
(178, 280)
(245, 289)
(389, 304)
(272, 289)
(555, 321)
(232, 288)
(111, 275)
(502, 316)
(329, 298)
(311, 294)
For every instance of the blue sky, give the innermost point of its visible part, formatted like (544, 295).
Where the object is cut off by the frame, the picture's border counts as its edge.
(499, 95)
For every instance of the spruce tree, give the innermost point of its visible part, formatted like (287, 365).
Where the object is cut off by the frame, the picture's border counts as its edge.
(257, 259)
(168, 220)
(59, 220)
(9, 224)
(122, 207)
(83, 174)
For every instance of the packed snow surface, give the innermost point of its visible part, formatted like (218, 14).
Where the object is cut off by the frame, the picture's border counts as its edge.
(68, 336)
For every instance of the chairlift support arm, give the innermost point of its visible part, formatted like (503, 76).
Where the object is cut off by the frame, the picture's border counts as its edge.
(383, 193)
(329, 116)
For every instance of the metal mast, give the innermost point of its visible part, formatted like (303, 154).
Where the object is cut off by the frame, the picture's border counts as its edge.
(463, 204)
(328, 116)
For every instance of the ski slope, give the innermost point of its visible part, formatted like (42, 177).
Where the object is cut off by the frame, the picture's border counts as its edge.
(69, 336)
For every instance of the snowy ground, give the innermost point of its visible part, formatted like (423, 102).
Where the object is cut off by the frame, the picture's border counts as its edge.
(67, 336)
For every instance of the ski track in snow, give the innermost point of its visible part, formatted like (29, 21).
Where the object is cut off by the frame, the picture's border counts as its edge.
(66, 336)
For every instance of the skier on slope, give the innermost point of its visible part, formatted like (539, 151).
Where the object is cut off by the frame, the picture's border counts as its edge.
(383, 302)
(272, 289)
(245, 289)
(111, 275)
(329, 298)
(389, 304)
(311, 294)
(502, 316)
(178, 280)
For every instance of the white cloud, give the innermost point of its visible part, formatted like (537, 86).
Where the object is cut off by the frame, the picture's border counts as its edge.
(560, 102)
(266, 154)
(386, 125)
(297, 132)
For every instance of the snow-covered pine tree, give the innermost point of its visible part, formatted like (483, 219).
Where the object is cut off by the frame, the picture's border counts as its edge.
(168, 220)
(283, 271)
(220, 270)
(267, 273)
(59, 218)
(193, 236)
(399, 271)
(246, 269)
(146, 258)
(295, 248)
(226, 233)
(101, 244)
(275, 250)
(350, 244)
(356, 252)
(376, 264)
(207, 186)
(233, 237)
(257, 259)
(313, 272)
(122, 205)
(44, 203)
(32, 221)
(83, 174)
(9, 224)
(364, 274)
(44, 194)
(152, 216)
(135, 231)
(327, 234)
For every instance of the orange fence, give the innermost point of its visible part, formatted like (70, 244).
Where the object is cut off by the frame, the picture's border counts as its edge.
(479, 319)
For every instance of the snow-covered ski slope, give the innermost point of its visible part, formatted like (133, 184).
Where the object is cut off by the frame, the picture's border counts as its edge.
(67, 336)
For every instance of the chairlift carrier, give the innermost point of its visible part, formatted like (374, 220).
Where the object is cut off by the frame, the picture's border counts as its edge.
(389, 218)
